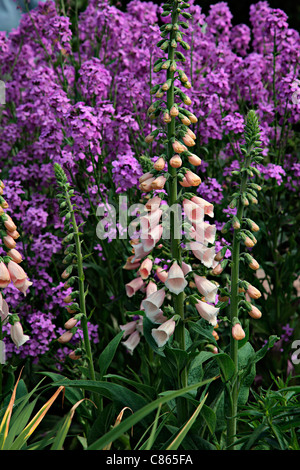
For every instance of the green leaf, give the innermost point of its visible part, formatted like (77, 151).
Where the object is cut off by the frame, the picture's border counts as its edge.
(108, 354)
(183, 432)
(114, 392)
(123, 427)
(64, 428)
(226, 364)
(204, 330)
(210, 418)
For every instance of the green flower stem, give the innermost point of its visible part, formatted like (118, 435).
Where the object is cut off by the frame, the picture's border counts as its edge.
(82, 304)
(232, 421)
(83, 320)
(178, 300)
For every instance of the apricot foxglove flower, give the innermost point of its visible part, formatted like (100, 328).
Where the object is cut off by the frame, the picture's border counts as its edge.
(153, 303)
(17, 334)
(129, 328)
(133, 286)
(203, 253)
(151, 288)
(206, 288)
(207, 207)
(4, 275)
(132, 342)
(208, 312)
(145, 268)
(18, 277)
(163, 333)
(176, 282)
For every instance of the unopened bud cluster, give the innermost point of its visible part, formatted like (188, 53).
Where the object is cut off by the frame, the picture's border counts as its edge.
(70, 257)
(243, 227)
(10, 270)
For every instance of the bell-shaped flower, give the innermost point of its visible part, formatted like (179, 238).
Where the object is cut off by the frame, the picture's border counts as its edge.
(208, 312)
(153, 303)
(150, 238)
(4, 275)
(207, 288)
(186, 268)
(132, 342)
(133, 286)
(193, 211)
(176, 283)
(17, 334)
(150, 221)
(203, 232)
(129, 328)
(18, 277)
(145, 268)
(131, 265)
(207, 207)
(162, 334)
(3, 310)
(203, 253)
(153, 204)
(139, 252)
(151, 288)
(162, 274)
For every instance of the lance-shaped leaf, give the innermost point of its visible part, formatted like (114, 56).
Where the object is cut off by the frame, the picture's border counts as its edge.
(30, 428)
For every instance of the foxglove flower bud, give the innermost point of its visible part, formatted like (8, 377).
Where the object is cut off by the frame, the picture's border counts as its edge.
(159, 182)
(9, 224)
(238, 332)
(178, 147)
(194, 160)
(159, 164)
(255, 312)
(175, 161)
(71, 323)
(253, 292)
(65, 337)
(192, 178)
(9, 242)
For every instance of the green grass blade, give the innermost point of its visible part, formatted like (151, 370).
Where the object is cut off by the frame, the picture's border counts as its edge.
(63, 430)
(115, 433)
(153, 431)
(181, 435)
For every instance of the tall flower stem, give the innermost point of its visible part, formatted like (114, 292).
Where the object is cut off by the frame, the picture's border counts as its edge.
(178, 300)
(235, 271)
(83, 321)
(241, 199)
(74, 234)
